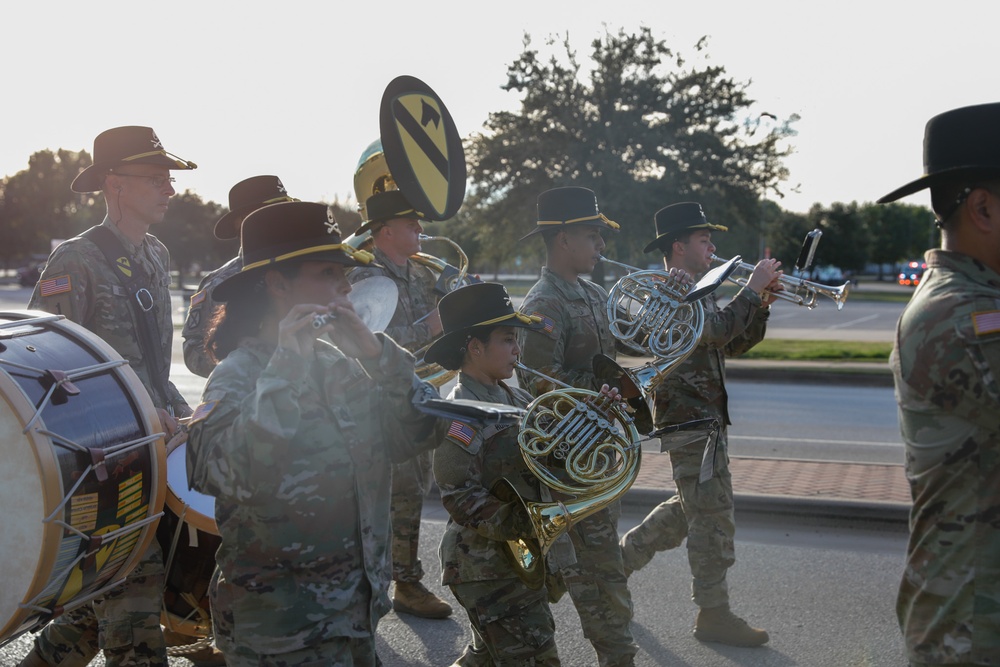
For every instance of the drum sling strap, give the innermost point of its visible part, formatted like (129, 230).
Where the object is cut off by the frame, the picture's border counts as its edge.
(136, 282)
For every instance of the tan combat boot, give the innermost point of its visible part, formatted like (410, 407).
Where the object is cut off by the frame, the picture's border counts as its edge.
(414, 598)
(721, 625)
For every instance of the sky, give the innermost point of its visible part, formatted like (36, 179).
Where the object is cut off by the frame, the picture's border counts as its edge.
(293, 88)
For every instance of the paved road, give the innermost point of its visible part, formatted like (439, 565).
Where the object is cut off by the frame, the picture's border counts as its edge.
(825, 592)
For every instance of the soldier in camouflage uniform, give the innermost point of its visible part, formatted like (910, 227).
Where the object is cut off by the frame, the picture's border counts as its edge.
(702, 510)
(395, 230)
(945, 363)
(575, 328)
(511, 623)
(293, 439)
(246, 196)
(133, 171)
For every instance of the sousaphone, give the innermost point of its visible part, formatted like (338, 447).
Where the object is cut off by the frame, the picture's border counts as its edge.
(419, 152)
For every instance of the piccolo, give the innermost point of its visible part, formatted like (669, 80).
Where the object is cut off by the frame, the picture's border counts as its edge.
(321, 320)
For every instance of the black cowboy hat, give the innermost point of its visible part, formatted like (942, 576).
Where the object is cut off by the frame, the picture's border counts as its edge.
(119, 146)
(476, 305)
(957, 143)
(246, 196)
(389, 205)
(573, 205)
(671, 221)
(288, 231)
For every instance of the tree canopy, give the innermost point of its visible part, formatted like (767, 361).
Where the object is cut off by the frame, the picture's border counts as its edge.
(643, 128)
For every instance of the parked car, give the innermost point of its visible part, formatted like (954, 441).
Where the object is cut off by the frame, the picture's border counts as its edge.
(828, 275)
(912, 273)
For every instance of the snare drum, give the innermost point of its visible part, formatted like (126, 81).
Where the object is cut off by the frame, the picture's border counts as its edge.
(81, 471)
(189, 538)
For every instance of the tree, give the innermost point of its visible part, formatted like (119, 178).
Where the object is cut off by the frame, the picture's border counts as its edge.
(845, 240)
(643, 129)
(37, 205)
(898, 232)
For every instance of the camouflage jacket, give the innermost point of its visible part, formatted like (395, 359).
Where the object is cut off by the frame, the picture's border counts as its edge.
(466, 466)
(696, 388)
(298, 456)
(201, 310)
(417, 297)
(78, 282)
(575, 328)
(946, 365)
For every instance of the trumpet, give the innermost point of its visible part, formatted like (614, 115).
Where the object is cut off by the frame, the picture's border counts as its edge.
(578, 443)
(797, 290)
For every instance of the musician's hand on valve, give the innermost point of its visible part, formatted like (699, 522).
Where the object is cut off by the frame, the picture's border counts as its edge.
(434, 322)
(611, 392)
(764, 273)
(770, 294)
(680, 274)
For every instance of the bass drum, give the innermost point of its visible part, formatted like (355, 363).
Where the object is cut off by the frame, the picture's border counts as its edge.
(82, 482)
(189, 538)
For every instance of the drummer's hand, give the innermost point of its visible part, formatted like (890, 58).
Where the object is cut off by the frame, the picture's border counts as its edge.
(167, 422)
(349, 332)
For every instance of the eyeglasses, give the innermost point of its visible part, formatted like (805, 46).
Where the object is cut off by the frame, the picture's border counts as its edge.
(155, 181)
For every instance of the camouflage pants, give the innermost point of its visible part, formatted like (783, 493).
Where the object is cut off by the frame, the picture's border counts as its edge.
(335, 652)
(124, 622)
(702, 512)
(512, 625)
(409, 486)
(599, 588)
(332, 652)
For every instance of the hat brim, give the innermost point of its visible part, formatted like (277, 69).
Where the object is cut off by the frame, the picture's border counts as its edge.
(663, 240)
(89, 180)
(229, 287)
(441, 350)
(930, 180)
(225, 227)
(588, 223)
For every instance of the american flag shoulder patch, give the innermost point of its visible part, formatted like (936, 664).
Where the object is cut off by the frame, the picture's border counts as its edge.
(202, 412)
(461, 433)
(548, 326)
(986, 322)
(197, 298)
(53, 286)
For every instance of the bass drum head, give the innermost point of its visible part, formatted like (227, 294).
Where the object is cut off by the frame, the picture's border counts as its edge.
(189, 538)
(83, 479)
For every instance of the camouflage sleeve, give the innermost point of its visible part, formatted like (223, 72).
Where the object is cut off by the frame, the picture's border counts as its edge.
(468, 502)
(545, 351)
(68, 285)
(726, 324)
(406, 431)
(239, 435)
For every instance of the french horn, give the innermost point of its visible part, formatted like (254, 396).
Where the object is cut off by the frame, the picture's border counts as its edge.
(581, 445)
(655, 313)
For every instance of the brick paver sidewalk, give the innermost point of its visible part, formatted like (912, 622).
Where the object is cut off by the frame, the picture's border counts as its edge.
(878, 483)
